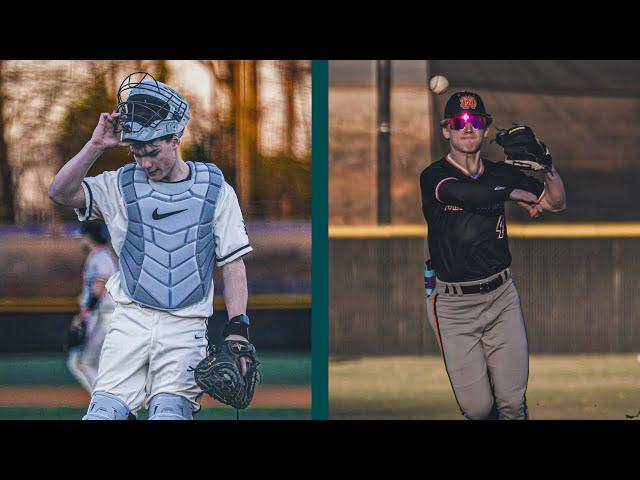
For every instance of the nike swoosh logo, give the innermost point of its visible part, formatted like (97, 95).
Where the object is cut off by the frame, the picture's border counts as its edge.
(197, 337)
(499, 188)
(159, 216)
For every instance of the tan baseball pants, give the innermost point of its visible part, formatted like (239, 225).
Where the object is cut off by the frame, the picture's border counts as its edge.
(484, 346)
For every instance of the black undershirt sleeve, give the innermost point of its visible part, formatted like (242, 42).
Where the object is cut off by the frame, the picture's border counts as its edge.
(470, 194)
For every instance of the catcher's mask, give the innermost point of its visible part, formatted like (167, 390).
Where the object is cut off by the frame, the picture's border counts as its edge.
(150, 109)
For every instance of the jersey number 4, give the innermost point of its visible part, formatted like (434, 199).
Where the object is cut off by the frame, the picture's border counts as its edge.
(500, 227)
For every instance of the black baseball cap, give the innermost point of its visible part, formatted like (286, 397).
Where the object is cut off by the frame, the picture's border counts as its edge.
(468, 102)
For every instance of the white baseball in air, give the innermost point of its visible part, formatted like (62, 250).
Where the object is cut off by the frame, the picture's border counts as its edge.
(439, 84)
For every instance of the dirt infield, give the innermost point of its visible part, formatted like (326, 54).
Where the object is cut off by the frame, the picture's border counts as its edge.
(70, 396)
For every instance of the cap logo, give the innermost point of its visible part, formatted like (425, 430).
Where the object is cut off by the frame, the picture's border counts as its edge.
(468, 103)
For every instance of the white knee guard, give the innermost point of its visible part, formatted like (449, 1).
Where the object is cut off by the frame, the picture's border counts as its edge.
(105, 406)
(167, 406)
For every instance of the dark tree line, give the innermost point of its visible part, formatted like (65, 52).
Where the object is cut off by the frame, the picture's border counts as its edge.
(268, 185)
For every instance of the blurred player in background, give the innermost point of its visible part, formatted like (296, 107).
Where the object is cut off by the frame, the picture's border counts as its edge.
(96, 304)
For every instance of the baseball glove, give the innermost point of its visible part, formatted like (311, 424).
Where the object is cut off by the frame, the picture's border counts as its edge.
(76, 332)
(523, 149)
(220, 373)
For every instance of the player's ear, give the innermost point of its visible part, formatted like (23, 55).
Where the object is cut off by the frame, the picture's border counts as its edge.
(175, 142)
(486, 132)
(445, 132)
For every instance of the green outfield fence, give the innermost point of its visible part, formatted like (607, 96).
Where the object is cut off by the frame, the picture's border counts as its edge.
(579, 293)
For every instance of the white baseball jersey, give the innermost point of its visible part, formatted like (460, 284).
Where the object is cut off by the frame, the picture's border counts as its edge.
(99, 264)
(104, 201)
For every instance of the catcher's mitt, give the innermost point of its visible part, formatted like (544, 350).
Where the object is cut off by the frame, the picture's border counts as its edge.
(220, 373)
(523, 149)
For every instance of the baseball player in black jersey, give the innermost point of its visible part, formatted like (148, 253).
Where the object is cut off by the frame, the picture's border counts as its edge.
(475, 309)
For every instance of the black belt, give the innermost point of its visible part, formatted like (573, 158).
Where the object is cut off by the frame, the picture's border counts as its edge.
(485, 287)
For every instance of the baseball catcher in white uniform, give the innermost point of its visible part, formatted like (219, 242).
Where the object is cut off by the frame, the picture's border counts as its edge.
(170, 223)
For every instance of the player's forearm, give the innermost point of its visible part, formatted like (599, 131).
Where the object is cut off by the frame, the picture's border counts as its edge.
(66, 187)
(467, 194)
(235, 292)
(555, 197)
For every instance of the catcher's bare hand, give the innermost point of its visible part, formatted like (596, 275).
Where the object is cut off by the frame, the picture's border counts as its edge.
(106, 134)
(244, 361)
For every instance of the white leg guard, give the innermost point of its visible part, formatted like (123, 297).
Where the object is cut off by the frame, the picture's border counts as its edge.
(167, 406)
(105, 406)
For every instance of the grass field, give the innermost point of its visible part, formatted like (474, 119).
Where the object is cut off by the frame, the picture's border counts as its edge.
(40, 387)
(567, 387)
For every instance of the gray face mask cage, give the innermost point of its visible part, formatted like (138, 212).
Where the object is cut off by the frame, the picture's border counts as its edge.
(143, 103)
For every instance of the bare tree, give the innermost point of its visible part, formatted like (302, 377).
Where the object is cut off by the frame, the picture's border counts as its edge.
(222, 131)
(7, 208)
(293, 73)
(29, 92)
(161, 70)
(246, 88)
(34, 96)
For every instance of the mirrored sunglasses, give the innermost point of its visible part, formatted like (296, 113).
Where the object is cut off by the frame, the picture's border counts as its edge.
(459, 121)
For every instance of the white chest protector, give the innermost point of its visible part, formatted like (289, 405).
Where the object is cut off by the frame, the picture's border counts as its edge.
(168, 253)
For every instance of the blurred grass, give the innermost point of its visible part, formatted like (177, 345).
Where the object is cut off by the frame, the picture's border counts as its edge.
(560, 387)
(34, 370)
(277, 369)
(66, 413)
